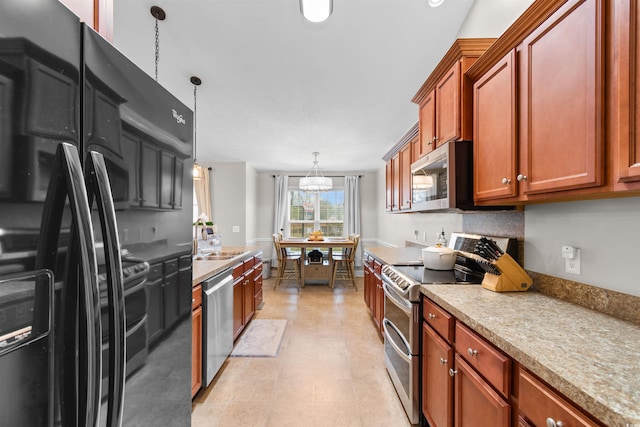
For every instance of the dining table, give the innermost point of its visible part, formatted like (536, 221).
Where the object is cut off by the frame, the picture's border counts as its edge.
(305, 244)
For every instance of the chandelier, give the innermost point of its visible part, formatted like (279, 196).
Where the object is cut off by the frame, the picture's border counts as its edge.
(315, 181)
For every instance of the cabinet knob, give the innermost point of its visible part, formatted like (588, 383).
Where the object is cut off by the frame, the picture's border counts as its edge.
(452, 372)
(521, 178)
(553, 423)
(443, 361)
(506, 181)
(472, 352)
(193, 300)
(431, 316)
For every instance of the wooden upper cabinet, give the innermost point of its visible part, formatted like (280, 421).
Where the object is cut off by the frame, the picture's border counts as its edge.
(405, 177)
(395, 182)
(448, 106)
(627, 127)
(389, 185)
(98, 14)
(427, 123)
(445, 98)
(495, 143)
(562, 120)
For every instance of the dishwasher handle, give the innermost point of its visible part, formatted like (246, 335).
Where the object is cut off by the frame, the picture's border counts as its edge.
(211, 285)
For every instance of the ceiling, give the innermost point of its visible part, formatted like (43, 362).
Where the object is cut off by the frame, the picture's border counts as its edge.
(276, 87)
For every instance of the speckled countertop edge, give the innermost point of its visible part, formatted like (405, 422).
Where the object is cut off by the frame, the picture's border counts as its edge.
(202, 269)
(590, 357)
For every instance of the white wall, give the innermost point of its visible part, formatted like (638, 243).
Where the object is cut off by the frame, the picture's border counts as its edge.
(490, 18)
(606, 231)
(228, 202)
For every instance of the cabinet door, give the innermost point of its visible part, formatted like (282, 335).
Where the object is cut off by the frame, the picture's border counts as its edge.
(437, 384)
(629, 97)
(367, 286)
(155, 312)
(448, 106)
(196, 350)
(149, 176)
(405, 177)
(6, 145)
(178, 171)
(388, 186)
(248, 308)
(476, 403)
(170, 292)
(238, 302)
(379, 309)
(166, 180)
(131, 154)
(427, 123)
(562, 101)
(395, 179)
(494, 132)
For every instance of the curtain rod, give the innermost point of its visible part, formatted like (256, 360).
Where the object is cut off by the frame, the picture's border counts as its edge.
(328, 176)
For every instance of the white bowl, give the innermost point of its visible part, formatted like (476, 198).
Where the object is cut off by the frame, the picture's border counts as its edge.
(439, 258)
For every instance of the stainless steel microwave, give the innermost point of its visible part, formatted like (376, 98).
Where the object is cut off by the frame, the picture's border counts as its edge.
(443, 179)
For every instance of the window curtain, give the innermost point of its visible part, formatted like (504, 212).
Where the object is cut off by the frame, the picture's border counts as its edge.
(352, 211)
(281, 198)
(203, 192)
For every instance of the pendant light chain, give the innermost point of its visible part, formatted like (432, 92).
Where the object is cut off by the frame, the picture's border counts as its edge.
(157, 48)
(195, 123)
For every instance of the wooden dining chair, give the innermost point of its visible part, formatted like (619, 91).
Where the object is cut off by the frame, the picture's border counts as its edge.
(344, 263)
(288, 265)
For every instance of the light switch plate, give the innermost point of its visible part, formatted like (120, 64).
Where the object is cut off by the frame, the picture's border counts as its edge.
(235, 229)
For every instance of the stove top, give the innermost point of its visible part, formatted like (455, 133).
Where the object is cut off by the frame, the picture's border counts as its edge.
(425, 276)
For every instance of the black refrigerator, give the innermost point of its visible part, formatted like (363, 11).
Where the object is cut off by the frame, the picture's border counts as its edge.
(96, 203)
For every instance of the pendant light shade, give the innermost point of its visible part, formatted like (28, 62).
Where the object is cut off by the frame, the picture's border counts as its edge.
(315, 181)
(435, 3)
(316, 10)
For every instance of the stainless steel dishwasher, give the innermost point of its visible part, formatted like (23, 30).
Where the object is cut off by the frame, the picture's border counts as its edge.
(217, 334)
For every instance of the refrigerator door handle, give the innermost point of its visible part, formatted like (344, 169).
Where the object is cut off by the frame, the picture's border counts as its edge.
(98, 187)
(77, 358)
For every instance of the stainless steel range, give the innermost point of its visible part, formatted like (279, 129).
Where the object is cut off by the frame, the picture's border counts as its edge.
(401, 284)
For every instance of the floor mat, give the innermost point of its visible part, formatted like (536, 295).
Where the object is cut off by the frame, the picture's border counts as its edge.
(261, 339)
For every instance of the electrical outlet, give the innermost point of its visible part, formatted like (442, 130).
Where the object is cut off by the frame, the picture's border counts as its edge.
(235, 229)
(572, 265)
(415, 233)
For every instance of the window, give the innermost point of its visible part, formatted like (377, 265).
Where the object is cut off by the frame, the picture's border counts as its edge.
(322, 211)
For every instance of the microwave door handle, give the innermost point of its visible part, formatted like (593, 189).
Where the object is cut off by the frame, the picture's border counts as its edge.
(99, 188)
(80, 383)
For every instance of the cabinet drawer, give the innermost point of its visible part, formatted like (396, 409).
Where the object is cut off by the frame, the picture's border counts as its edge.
(377, 267)
(494, 366)
(238, 270)
(249, 263)
(170, 266)
(539, 402)
(196, 297)
(155, 272)
(438, 319)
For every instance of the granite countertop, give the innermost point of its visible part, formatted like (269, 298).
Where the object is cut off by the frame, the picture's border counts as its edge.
(590, 357)
(203, 269)
(397, 256)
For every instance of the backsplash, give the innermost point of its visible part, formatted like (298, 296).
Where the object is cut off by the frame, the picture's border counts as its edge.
(616, 304)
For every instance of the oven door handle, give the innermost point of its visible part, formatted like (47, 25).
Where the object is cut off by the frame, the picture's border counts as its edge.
(399, 302)
(386, 324)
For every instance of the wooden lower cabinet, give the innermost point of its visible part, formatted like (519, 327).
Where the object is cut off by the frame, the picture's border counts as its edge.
(476, 402)
(238, 302)
(437, 383)
(539, 403)
(196, 340)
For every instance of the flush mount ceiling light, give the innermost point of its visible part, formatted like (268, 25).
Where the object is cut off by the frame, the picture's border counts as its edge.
(315, 181)
(435, 3)
(197, 169)
(316, 10)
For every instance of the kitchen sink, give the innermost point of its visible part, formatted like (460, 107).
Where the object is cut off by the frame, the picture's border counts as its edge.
(219, 256)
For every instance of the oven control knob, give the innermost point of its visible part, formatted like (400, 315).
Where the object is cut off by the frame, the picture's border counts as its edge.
(126, 272)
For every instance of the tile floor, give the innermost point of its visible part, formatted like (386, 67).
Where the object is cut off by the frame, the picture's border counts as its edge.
(329, 370)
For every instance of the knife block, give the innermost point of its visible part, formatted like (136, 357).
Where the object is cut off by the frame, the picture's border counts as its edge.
(512, 277)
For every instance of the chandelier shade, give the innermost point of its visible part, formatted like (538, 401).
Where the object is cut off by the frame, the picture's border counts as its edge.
(316, 10)
(315, 181)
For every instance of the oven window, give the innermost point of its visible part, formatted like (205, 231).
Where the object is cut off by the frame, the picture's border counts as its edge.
(399, 318)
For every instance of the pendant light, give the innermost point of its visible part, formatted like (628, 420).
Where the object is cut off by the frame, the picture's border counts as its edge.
(315, 181)
(197, 169)
(435, 3)
(158, 13)
(316, 10)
